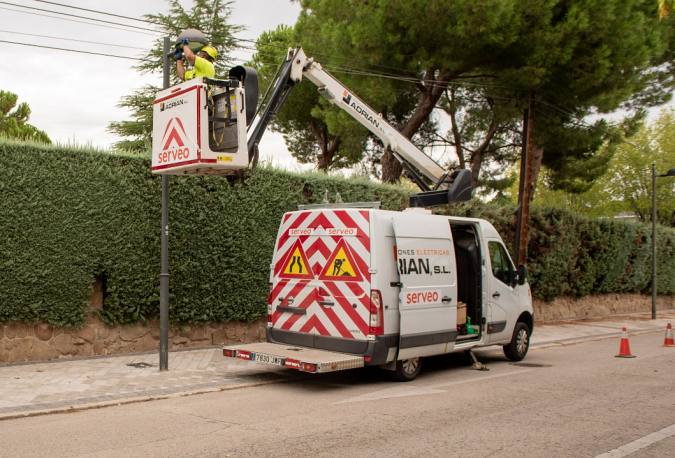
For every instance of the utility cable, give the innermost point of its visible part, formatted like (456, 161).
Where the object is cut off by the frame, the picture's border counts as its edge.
(79, 17)
(96, 11)
(72, 39)
(75, 20)
(72, 50)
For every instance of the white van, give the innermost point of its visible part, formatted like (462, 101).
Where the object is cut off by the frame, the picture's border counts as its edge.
(351, 287)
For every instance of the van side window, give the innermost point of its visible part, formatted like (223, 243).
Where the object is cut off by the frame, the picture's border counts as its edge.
(502, 268)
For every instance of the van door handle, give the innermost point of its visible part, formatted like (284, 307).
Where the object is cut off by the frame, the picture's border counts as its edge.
(496, 294)
(446, 299)
(327, 303)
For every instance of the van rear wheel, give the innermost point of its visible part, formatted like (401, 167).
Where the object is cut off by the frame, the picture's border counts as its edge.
(520, 342)
(407, 369)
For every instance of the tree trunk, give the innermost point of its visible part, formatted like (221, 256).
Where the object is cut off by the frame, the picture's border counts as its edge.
(391, 167)
(327, 146)
(526, 186)
(455, 129)
(429, 95)
(478, 155)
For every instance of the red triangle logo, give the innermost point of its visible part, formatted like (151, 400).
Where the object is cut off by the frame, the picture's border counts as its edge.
(341, 265)
(296, 264)
(174, 135)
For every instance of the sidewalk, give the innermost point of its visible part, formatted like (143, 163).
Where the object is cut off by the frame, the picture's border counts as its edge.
(64, 386)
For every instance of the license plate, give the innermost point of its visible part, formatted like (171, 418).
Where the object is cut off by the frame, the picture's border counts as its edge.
(269, 359)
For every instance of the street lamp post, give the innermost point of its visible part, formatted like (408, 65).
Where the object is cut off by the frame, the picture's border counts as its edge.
(653, 240)
(669, 173)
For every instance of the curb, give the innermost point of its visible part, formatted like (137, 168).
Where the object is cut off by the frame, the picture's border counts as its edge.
(576, 340)
(134, 400)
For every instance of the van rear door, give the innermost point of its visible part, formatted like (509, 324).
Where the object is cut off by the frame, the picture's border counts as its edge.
(428, 282)
(320, 294)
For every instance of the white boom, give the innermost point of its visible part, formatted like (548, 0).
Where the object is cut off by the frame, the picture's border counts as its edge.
(343, 98)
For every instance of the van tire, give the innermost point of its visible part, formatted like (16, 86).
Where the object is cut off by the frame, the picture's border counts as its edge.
(520, 342)
(407, 369)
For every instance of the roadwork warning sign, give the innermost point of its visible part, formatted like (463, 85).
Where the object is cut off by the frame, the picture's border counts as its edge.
(297, 265)
(341, 265)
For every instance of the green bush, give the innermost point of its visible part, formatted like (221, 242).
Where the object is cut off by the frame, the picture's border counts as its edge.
(570, 255)
(70, 216)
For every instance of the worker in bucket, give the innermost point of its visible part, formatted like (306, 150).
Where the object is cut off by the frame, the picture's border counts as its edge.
(202, 62)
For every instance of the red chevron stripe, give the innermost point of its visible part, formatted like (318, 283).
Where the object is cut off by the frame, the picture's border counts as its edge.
(293, 292)
(284, 235)
(339, 325)
(314, 322)
(316, 268)
(355, 287)
(272, 296)
(349, 222)
(307, 301)
(347, 307)
(320, 246)
(321, 221)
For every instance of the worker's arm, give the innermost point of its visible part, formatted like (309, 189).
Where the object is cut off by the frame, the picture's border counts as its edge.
(189, 55)
(180, 69)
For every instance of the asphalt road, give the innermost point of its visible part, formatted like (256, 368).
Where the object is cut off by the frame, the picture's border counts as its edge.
(576, 400)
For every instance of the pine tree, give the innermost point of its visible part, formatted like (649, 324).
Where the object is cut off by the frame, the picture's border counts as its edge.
(14, 120)
(209, 16)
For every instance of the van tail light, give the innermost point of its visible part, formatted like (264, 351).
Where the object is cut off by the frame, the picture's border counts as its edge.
(229, 353)
(269, 305)
(376, 324)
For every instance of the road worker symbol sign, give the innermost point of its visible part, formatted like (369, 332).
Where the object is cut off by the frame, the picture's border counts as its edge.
(341, 265)
(296, 265)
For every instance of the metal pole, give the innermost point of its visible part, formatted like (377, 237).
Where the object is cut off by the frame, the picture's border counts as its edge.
(164, 247)
(653, 240)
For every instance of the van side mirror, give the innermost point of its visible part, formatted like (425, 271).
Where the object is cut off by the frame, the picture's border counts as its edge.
(522, 274)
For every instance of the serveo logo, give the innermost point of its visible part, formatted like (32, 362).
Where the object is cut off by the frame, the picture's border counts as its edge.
(174, 149)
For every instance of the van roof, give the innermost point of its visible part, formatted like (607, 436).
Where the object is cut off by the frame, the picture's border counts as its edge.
(487, 229)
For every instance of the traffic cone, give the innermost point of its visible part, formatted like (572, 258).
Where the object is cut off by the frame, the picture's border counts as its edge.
(668, 341)
(624, 346)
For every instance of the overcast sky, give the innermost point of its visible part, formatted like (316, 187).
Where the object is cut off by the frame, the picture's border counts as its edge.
(73, 96)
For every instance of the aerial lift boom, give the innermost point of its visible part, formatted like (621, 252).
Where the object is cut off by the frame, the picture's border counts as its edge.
(438, 185)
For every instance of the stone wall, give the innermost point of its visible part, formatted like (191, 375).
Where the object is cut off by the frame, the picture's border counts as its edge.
(41, 342)
(567, 308)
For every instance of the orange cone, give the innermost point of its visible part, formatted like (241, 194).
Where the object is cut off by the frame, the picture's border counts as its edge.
(624, 346)
(668, 341)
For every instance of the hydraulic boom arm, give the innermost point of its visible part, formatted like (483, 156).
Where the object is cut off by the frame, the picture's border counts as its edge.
(298, 65)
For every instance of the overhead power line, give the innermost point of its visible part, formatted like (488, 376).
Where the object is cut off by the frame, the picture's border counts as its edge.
(72, 50)
(79, 17)
(75, 20)
(13, 32)
(96, 11)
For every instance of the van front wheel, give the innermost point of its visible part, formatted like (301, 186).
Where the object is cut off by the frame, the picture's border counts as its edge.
(407, 369)
(520, 342)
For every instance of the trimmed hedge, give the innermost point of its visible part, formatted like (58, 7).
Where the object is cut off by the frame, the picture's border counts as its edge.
(71, 216)
(569, 255)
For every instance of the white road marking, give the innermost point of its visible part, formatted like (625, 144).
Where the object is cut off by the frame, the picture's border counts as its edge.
(640, 443)
(478, 379)
(409, 389)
